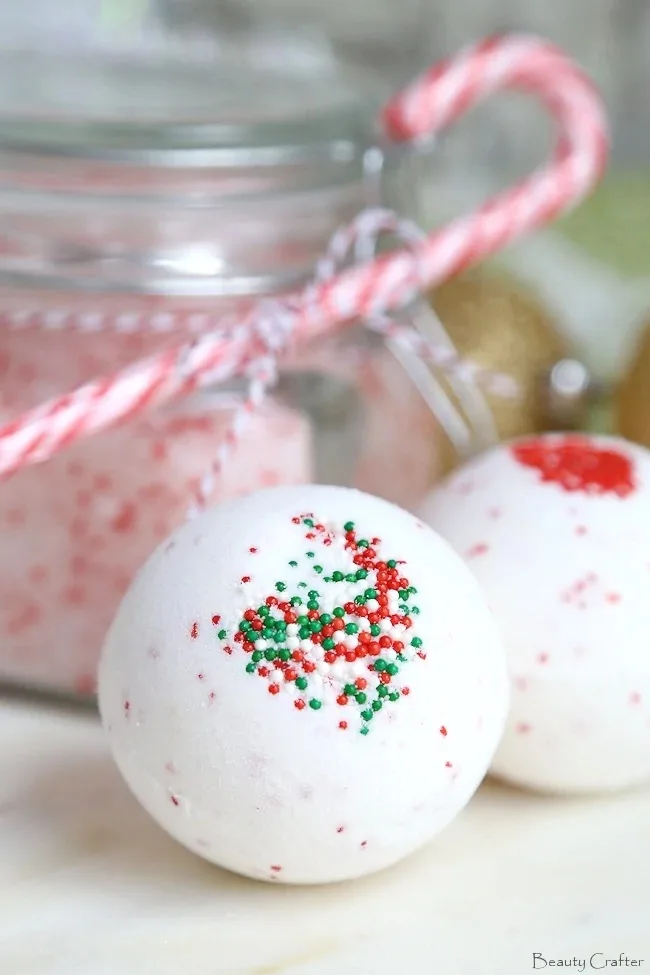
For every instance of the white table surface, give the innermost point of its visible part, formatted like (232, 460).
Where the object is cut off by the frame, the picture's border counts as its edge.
(88, 884)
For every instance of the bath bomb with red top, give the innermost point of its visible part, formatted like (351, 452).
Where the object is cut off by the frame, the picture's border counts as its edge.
(557, 532)
(304, 685)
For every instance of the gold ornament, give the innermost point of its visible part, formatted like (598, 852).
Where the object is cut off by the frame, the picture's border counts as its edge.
(632, 407)
(497, 325)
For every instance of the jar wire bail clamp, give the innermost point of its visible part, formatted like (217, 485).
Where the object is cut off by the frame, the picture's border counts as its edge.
(387, 283)
(424, 349)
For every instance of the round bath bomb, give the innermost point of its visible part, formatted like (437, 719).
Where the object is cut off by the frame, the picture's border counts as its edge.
(304, 685)
(557, 531)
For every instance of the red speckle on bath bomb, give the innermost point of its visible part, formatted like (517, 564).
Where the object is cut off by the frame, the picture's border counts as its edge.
(124, 520)
(476, 550)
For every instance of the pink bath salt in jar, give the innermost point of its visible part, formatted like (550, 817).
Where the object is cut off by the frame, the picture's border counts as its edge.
(73, 540)
(155, 182)
(75, 530)
(399, 460)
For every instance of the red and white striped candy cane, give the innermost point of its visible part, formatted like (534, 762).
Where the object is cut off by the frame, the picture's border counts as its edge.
(430, 104)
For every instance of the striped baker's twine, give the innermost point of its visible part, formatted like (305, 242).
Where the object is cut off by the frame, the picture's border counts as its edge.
(273, 329)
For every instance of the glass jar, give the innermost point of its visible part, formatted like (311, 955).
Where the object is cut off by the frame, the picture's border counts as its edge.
(162, 166)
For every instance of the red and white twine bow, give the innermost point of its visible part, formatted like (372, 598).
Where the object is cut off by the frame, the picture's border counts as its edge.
(366, 291)
(273, 324)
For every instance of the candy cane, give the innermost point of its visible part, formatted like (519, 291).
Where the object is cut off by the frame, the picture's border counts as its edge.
(389, 282)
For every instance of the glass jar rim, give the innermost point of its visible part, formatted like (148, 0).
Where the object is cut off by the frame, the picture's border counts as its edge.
(238, 228)
(336, 135)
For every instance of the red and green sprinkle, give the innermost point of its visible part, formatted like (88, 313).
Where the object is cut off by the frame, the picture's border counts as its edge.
(345, 641)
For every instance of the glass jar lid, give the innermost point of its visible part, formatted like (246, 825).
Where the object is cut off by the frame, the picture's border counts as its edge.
(177, 146)
(126, 79)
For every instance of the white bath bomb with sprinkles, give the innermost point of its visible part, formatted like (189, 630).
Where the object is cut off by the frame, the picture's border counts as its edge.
(557, 531)
(304, 685)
